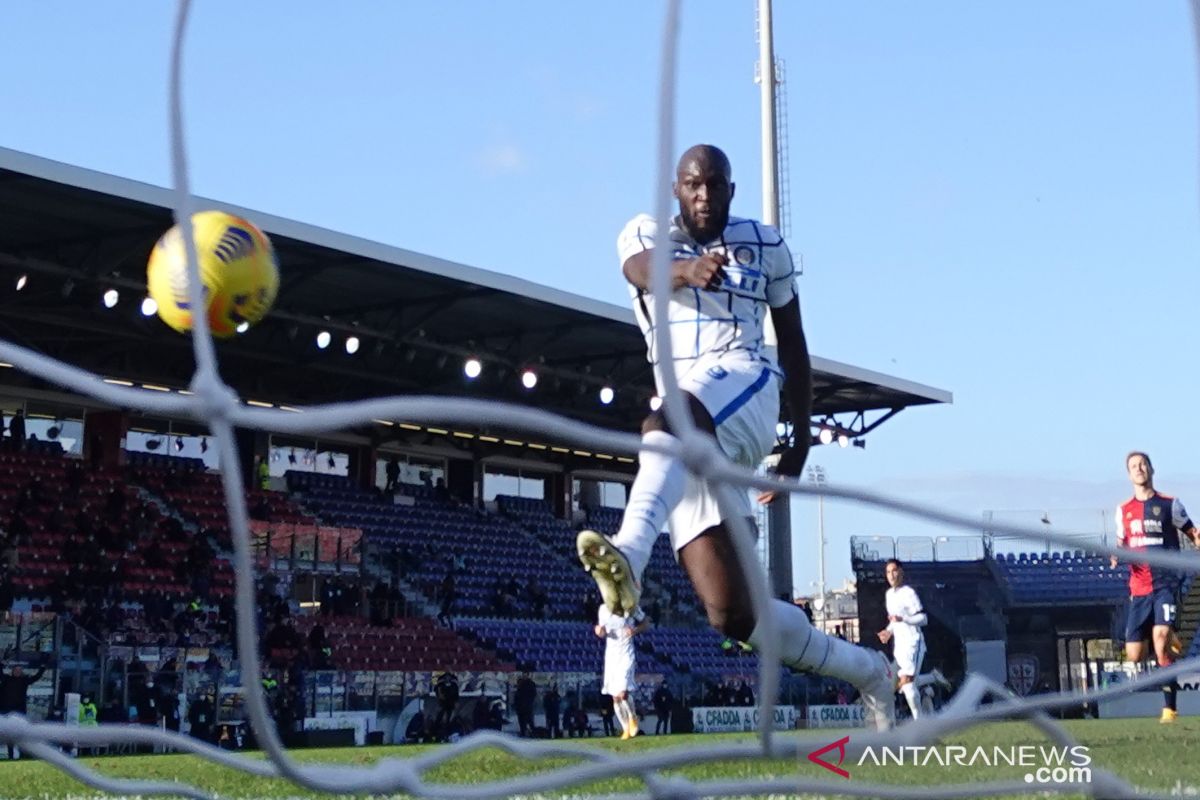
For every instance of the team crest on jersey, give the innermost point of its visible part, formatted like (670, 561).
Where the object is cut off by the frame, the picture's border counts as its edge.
(1156, 511)
(717, 372)
(743, 255)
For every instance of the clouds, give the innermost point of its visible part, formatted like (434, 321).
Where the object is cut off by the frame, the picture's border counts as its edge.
(502, 158)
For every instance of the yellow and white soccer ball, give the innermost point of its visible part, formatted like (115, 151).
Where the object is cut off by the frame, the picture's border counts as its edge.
(237, 267)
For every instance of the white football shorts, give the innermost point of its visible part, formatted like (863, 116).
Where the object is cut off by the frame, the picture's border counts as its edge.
(742, 395)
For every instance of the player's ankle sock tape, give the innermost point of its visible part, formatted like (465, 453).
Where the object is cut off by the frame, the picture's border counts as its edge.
(804, 647)
(656, 490)
(909, 690)
(1169, 690)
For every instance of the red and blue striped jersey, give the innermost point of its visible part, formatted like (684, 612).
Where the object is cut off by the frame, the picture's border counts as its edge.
(1153, 524)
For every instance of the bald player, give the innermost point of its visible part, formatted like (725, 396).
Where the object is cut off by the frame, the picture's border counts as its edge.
(726, 273)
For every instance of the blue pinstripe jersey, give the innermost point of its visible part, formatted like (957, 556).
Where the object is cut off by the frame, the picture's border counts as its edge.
(760, 273)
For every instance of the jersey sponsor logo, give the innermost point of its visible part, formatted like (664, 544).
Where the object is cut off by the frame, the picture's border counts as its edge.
(747, 283)
(1145, 541)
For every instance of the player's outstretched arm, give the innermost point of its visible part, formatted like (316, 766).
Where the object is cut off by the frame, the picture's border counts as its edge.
(705, 272)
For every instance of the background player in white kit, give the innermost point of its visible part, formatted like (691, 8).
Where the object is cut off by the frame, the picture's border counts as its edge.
(620, 662)
(906, 617)
(725, 273)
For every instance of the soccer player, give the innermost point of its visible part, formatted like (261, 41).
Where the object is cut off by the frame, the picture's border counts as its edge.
(620, 662)
(1152, 521)
(726, 273)
(906, 617)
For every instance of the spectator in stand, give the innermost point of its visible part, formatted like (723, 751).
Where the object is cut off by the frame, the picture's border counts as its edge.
(320, 652)
(502, 600)
(16, 432)
(744, 695)
(114, 505)
(378, 606)
(392, 470)
(262, 473)
(14, 689)
(537, 598)
(447, 595)
(523, 701)
(550, 704)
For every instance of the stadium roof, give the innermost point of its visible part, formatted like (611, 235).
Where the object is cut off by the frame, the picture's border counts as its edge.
(77, 232)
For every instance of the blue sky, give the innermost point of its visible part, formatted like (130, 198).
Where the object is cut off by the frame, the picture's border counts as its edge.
(999, 199)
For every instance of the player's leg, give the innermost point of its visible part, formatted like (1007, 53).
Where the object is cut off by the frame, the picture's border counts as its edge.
(712, 565)
(621, 714)
(908, 667)
(933, 678)
(630, 710)
(1164, 624)
(659, 485)
(1138, 620)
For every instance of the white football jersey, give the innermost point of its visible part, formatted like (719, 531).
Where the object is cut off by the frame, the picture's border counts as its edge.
(618, 648)
(903, 602)
(760, 273)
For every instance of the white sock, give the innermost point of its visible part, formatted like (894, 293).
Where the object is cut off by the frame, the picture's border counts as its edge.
(619, 710)
(656, 490)
(909, 690)
(630, 714)
(805, 647)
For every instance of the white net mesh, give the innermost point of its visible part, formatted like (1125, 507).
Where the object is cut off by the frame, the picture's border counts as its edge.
(217, 405)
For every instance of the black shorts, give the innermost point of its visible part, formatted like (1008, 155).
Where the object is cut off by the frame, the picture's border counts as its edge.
(1149, 610)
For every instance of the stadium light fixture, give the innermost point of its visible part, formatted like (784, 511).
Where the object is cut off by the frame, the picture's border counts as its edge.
(861, 444)
(655, 403)
(21, 281)
(242, 326)
(111, 298)
(149, 306)
(843, 440)
(606, 395)
(472, 368)
(178, 444)
(529, 379)
(323, 339)
(352, 345)
(826, 435)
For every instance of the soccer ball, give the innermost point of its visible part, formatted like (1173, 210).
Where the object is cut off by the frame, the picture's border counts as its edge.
(237, 268)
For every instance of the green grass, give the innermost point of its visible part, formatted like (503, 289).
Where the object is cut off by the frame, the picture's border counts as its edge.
(1150, 756)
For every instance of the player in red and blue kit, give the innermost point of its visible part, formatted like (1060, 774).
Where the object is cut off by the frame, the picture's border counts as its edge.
(1152, 521)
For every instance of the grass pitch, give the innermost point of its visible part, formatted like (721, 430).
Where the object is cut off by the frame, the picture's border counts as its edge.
(1151, 756)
